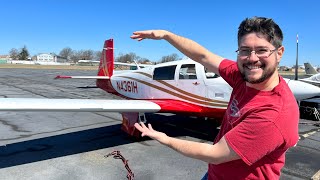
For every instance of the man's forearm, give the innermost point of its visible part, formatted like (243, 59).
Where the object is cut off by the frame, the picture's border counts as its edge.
(194, 51)
(196, 150)
(215, 154)
(186, 46)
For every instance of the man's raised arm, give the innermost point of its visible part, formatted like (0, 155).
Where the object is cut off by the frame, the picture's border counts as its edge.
(188, 47)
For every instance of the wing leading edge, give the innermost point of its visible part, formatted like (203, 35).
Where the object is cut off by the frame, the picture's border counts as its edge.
(77, 105)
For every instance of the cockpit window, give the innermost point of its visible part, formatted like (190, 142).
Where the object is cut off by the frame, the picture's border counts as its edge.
(187, 71)
(209, 74)
(164, 73)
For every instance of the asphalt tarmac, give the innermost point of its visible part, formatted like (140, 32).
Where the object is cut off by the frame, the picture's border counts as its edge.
(70, 145)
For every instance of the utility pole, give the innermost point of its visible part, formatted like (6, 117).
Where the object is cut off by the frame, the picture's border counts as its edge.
(296, 71)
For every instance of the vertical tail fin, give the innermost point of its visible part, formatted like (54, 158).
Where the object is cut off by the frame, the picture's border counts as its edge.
(107, 59)
(309, 69)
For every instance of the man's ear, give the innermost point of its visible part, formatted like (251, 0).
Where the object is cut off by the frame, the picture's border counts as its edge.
(280, 52)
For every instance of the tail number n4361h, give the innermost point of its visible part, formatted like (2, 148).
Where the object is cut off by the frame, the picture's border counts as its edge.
(127, 86)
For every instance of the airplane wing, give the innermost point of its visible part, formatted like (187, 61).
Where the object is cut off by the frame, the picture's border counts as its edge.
(315, 79)
(317, 83)
(77, 105)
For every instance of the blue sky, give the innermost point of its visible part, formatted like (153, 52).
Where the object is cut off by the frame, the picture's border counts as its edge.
(51, 25)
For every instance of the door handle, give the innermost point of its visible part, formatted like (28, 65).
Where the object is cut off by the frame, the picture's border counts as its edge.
(196, 83)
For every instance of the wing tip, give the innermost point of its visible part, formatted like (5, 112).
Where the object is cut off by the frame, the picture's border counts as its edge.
(62, 77)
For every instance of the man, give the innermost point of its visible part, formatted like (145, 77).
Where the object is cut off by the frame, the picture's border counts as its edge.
(261, 121)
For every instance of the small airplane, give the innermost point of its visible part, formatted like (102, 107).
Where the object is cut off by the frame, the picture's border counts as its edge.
(314, 78)
(183, 86)
(132, 66)
(88, 62)
(310, 70)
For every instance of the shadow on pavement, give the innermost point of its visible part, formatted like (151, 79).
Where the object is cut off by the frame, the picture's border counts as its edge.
(99, 138)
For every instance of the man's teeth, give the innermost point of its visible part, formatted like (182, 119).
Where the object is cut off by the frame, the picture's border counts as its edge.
(253, 67)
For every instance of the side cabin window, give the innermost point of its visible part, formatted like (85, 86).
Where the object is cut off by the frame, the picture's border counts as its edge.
(187, 71)
(164, 73)
(133, 68)
(209, 74)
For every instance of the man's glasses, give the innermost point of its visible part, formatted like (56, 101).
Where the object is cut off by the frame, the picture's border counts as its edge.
(260, 52)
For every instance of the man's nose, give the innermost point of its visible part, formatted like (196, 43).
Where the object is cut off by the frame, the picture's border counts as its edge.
(253, 56)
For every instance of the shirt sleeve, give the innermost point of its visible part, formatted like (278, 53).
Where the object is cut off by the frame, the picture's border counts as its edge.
(255, 137)
(229, 71)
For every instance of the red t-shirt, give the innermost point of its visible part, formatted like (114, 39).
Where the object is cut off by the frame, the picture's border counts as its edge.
(259, 126)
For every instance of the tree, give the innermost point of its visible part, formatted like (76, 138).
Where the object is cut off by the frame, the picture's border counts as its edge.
(87, 54)
(66, 53)
(144, 61)
(169, 58)
(24, 54)
(127, 58)
(75, 56)
(14, 54)
(97, 55)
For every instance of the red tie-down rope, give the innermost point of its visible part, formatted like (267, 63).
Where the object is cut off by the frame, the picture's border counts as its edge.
(117, 155)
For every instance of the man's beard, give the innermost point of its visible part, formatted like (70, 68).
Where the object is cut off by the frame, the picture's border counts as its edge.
(267, 73)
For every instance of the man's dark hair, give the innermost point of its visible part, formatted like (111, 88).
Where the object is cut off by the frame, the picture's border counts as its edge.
(265, 26)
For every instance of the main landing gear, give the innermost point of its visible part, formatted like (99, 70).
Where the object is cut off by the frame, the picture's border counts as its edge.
(128, 121)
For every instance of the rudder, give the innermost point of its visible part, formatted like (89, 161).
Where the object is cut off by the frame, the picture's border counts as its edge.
(106, 64)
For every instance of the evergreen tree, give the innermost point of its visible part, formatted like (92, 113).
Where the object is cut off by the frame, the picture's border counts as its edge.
(24, 54)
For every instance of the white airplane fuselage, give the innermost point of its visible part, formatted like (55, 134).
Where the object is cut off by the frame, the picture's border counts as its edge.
(187, 81)
(193, 87)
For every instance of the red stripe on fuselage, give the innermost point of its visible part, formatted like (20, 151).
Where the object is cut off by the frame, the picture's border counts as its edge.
(176, 106)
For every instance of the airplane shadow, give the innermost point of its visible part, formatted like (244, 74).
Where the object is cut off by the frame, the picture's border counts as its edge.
(179, 125)
(99, 138)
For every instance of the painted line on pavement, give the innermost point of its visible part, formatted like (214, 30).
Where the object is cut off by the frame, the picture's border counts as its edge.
(316, 176)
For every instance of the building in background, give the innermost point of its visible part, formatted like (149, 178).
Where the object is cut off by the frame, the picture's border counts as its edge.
(50, 57)
(4, 59)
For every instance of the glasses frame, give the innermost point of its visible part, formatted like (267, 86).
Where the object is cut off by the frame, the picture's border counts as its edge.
(259, 56)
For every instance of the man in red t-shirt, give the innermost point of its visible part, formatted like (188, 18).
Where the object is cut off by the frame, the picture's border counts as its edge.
(261, 121)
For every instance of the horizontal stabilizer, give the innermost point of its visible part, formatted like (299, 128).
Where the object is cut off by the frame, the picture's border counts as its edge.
(77, 105)
(81, 77)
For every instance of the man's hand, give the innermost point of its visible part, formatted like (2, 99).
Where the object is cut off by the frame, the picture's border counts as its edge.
(150, 34)
(149, 131)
